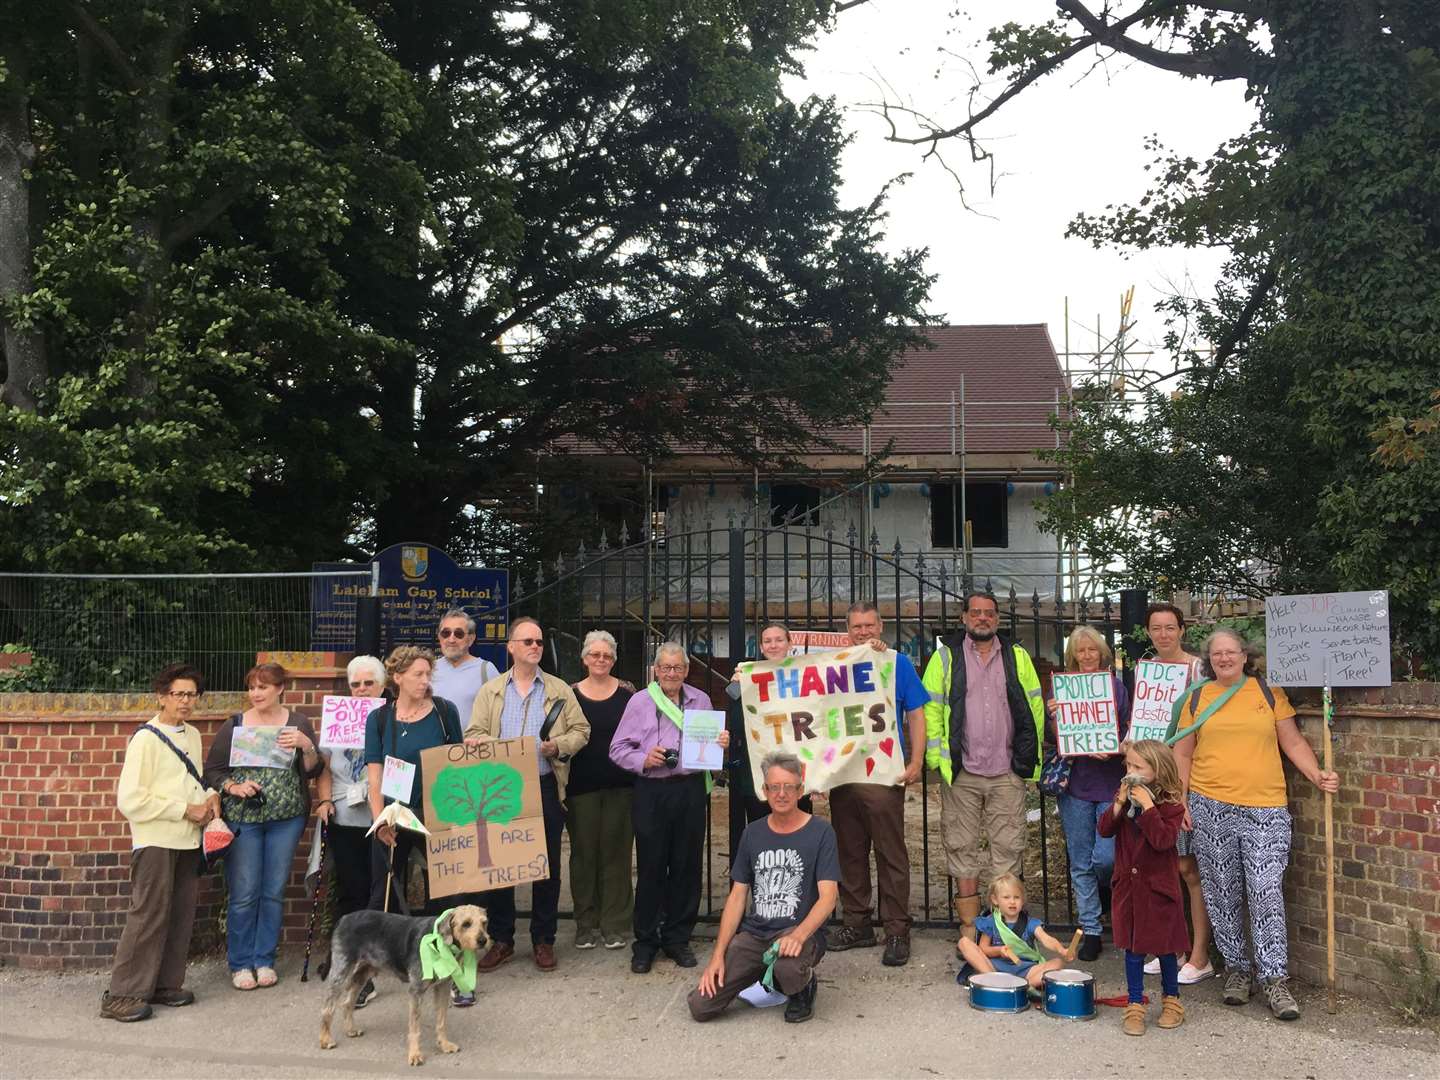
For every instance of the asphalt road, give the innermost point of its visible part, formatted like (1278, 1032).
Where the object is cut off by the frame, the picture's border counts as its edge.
(593, 1018)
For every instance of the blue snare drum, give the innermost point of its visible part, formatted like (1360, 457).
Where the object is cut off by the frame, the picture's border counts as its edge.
(994, 991)
(1070, 994)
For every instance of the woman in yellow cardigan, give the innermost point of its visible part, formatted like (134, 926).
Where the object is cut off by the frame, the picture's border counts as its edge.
(167, 805)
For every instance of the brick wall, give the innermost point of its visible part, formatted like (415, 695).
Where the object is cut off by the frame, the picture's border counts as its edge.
(64, 848)
(1386, 746)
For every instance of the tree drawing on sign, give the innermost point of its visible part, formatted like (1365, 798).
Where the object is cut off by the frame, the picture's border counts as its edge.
(482, 793)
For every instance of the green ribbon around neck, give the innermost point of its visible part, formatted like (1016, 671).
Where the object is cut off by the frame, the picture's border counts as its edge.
(673, 713)
(1017, 944)
(1175, 732)
(441, 960)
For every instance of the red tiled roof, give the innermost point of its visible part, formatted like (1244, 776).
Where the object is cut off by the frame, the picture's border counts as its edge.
(1007, 376)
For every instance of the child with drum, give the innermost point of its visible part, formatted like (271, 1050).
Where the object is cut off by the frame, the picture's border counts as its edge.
(1147, 913)
(1006, 938)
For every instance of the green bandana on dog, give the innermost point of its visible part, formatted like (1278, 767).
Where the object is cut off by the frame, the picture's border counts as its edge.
(441, 960)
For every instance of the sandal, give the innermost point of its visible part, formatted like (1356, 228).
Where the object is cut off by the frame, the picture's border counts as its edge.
(244, 979)
(266, 976)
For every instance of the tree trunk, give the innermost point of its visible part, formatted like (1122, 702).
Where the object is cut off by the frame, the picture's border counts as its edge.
(23, 347)
(482, 841)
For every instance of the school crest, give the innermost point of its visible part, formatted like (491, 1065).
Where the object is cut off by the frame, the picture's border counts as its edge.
(414, 562)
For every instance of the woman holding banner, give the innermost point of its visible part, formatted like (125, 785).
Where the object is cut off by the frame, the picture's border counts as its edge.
(343, 804)
(1165, 623)
(1232, 731)
(1093, 780)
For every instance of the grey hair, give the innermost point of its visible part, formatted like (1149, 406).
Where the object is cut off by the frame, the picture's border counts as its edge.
(373, 664)
(672, 647)
(782, 759)
(460, 613)
(602, 636)
(1253, 658)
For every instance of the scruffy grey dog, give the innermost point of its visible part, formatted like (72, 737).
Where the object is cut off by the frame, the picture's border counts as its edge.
(370, 943)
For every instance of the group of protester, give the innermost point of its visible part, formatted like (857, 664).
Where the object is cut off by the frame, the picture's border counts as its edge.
(610, 774)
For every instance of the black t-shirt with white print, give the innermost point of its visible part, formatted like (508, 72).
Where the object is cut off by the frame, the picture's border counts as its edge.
(782, 871)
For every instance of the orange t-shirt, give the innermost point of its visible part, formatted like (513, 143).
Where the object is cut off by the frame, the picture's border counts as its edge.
(1237, 754)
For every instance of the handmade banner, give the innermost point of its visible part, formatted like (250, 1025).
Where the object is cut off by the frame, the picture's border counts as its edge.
(259, 746)
(1085, 722)
(1158, 685)
(1328, 639)
(342, 721)
(835, 710)
(482, 806)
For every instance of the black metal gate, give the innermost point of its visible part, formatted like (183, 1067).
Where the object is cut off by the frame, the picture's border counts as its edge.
(711, 588)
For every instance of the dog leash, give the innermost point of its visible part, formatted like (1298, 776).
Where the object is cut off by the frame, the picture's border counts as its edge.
(441, 960)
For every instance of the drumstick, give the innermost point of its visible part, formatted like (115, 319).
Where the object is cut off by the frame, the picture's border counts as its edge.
(1075, 941)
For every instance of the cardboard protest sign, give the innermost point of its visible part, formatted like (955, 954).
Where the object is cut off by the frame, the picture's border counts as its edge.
(1328, 639)
(836, 710)
(699, 739)
(342, 721)
(482, 806)
(258, 746)
(1158, 685)
(1086, 722)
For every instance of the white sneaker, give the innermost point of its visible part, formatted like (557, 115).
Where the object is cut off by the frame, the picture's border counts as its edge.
(1190, 974)
(1153, 967)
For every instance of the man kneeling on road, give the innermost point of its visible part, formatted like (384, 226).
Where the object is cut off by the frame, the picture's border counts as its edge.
(790, 862)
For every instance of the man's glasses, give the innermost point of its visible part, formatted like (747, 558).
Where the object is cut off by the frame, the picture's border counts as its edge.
(784, 789)
(671, 669)
(451, 631)
(529, 642)
(183, 695)
(982, 614)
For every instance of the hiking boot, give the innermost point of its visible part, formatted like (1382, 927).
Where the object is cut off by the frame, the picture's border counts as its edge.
(1089, 947)
(176, 999)
(801, 1007)
(1172, 1013)
(897, 951)
(366, 994)
(1282, 1003)
(125, 1009)
(847, 937)
(1134, 1019)
(1237, 987)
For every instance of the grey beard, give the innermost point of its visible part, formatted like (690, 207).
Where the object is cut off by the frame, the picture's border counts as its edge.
(981, 635)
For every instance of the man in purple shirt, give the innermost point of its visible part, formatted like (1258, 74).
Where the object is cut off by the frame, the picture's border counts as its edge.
(668, 809)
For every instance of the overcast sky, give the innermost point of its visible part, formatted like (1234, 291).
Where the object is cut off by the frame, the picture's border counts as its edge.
(1066, 144)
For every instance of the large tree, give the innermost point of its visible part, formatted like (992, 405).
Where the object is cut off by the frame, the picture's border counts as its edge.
(1280, 459)
(297, 280)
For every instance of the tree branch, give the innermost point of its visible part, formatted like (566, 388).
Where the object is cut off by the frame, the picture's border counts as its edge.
(87, 25)
(1241, 326)
(203, 216)
(1230, 64)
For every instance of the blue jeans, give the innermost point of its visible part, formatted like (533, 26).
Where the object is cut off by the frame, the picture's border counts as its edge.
(1092, 857)
(257, 866)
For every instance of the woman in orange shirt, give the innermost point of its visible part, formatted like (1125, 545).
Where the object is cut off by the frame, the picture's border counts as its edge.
(1230, 766)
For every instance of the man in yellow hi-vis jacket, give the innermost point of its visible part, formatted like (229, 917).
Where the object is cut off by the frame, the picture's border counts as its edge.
(983, 726)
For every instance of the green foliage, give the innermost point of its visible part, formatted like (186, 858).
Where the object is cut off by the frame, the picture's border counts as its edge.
(41, 675)
(1285, 460)
(316, 278)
